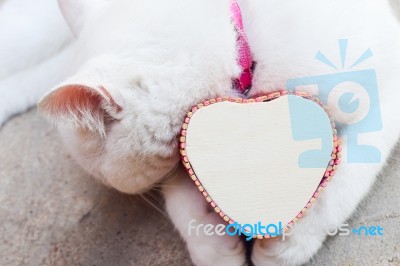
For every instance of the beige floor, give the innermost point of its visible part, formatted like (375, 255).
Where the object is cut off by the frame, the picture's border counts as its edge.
(53, 213)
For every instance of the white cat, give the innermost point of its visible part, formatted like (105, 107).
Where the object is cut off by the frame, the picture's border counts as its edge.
(137, 66)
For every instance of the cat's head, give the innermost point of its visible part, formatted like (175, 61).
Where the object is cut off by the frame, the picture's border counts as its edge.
(114, 127)
(132, 79)
(112, 110)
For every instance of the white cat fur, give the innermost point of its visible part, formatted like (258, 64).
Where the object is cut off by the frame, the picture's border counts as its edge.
(157, 58)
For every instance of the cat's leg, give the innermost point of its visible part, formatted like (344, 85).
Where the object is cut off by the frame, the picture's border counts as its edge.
(337, 202)
(188, 209)
(23, 89)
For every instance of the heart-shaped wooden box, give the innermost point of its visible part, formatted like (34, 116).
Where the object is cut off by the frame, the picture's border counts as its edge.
(260, 160)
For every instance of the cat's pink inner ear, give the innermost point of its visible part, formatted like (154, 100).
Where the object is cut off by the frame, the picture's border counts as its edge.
(82, 105)
(69, 98)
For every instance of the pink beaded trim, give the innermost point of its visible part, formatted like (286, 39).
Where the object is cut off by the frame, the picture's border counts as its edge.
(330, 171)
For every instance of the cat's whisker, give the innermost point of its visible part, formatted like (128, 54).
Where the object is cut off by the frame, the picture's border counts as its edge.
(157, 189)
(152, 204)
(166, 185)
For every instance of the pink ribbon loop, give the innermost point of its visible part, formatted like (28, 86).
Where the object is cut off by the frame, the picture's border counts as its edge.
(243, 83)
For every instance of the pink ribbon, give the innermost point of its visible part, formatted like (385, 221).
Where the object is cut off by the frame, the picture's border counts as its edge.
(243, 83)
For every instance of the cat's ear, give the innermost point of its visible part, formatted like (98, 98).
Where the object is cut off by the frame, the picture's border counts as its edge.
(84, 106)
(75, 12)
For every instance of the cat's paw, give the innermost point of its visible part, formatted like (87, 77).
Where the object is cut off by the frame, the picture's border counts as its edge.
(199, 225)
(203, 254)
(215, 249)
(295, 250)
